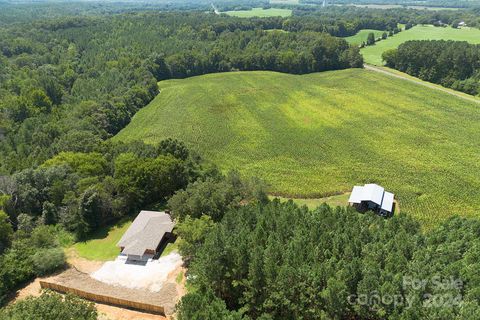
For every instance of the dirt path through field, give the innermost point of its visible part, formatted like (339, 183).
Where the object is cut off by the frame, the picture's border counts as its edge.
(421, 82)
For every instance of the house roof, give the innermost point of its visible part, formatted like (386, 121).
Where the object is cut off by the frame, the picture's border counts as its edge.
(374, 193)
(146, 232)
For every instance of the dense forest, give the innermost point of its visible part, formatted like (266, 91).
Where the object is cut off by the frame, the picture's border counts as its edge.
(26, 11)
(453, 64)
(269, 260)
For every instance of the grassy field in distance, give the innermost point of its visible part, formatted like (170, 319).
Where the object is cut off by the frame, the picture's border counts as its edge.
(260, 12)
(284, 1)
(373, 54)
(362, 36)
(314, 135)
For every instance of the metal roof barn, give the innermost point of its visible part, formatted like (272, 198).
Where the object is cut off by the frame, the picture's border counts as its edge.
(372, 197)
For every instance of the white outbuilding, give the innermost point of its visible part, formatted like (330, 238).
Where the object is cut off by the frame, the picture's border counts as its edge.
(372, 197)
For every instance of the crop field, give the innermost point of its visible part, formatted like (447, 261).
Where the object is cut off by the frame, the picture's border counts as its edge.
(260, 12)
(373, 54)
(362, 36)
(319, 134)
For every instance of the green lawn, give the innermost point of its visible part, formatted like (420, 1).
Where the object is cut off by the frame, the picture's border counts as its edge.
(170, 248)
(333, 201)
(373, 54)
(319, 134)
(260, 12)
(362, 36)
(103, 245)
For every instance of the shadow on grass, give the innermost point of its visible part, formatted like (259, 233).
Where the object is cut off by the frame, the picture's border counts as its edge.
(103, 231)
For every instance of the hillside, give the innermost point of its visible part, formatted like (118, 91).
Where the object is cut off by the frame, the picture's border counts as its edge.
(319, 134)
(373, 54)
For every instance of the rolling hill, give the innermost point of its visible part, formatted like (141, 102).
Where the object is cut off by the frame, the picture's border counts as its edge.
(319, 134)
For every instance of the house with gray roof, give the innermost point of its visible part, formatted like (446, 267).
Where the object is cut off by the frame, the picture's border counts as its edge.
(144, 238)
(372, 197)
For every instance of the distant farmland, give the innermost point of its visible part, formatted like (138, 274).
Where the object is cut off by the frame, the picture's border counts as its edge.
(362, 36)
(260, 12)
(319, 134)
(373, 54)
(284, 1)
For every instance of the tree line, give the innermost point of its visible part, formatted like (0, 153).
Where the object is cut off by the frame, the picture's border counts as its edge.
(453, 64)
(428, 3)
(351, 18)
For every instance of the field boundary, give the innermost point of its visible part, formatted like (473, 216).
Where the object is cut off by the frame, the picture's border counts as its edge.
(103, 298)
(400, 75)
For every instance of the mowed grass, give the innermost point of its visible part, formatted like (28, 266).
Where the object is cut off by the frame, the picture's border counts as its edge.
(373, 54)
(102, 246)
(340, 200)
(362, 36)
(260, 12)
(319, 134)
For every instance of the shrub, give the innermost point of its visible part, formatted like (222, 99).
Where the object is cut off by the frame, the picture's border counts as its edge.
(46, 261)
(50, 306)
(44, 237)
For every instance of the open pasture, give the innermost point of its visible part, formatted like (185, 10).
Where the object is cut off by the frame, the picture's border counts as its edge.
(362, 36)
(373, 54)
(260, 12)
(319, 134)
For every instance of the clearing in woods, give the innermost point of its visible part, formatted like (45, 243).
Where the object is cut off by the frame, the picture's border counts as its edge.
(260, 12)
(340, 200)
(362, 36)
(102, 245)
(373, 54)
(319, 134)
